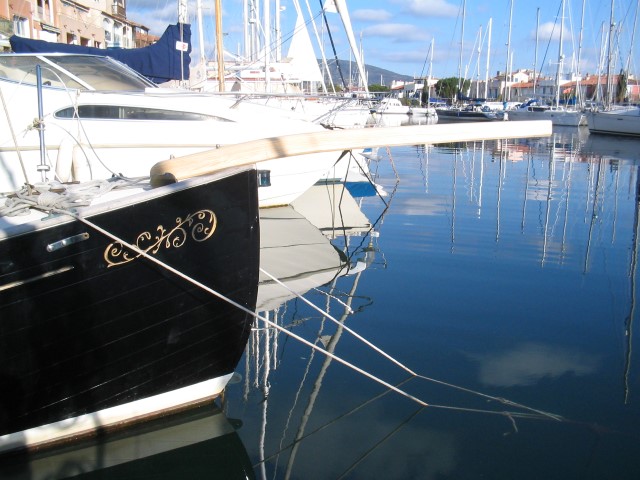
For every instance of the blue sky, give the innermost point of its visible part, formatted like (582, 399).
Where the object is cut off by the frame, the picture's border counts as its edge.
(396, 34)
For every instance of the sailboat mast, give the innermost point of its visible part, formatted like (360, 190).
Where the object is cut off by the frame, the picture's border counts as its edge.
(182, 11)
(267, 44)
(333, 46)
(278, 33)
(535, 56)
(486, 75)
(633, 37)
(203, 59)
(478, 62)
(609, 50)
(245, 28)
(507, 88)
(579, 68)
(560, 56)
(341, 6)
(321, 46)
(464, 13)
(219, 46)
(430, 67)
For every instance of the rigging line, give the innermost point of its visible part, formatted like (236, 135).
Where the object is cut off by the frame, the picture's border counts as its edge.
(502, 400)
(401, 365)
(73, 100)
(330, 346)
(333, 46)
(380, 442)
(278, 327)
(298, 393)
(550, 37)
(333, 421)
(352, 332)
(628, 322)
(364, 404)
(511, 415)
(333, 297)
(237, 305)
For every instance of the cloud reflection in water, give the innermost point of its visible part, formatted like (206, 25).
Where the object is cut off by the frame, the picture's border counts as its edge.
(530, 362)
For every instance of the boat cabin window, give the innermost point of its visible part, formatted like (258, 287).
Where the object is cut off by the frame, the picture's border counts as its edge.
(84, 72)
(117, 112)
(103, 73)
(22, 69)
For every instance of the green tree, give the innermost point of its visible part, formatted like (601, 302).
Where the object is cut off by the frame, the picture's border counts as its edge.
(378, 88)
(622, 87)
(448, 87)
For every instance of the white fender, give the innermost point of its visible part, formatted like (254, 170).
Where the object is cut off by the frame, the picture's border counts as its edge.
(81, 167)
(64, 160)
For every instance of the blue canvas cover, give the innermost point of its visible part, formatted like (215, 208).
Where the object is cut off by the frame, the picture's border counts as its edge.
(167, 59)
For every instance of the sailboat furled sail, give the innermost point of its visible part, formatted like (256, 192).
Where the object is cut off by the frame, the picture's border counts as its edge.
(167, 59)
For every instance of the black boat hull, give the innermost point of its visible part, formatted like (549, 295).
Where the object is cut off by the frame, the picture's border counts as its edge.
(92, 326)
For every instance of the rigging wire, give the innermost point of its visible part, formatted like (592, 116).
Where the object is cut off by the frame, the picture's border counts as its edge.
(535, 413)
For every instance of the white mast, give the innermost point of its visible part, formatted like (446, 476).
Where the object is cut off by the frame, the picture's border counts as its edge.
(278, 33)
(478, 62)
(219, 45)
(341, 6)
(267, 44)
(612, 26)
(486, 75)
(245, 28)
(560, 56)
(202, 60)
(535, 57)
(464, 12)
(182, 11)
(633, 36)
(324, 58)
(579, 68)
(430, 66)
(507, 87)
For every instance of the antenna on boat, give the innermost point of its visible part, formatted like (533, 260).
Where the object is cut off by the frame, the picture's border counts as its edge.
(42, 167)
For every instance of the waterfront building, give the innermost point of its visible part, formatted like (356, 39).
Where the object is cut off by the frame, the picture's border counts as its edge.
(100, 24)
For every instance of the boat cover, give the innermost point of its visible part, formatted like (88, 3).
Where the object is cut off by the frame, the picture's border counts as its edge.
(167, 59)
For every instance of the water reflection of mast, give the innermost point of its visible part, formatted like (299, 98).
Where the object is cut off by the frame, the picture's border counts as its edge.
(330, 347)
(563, 249)
(453, 205)
(594, 213)
(423, 158)
(340, 217)
(503, 156)
(548, 204)
(632, 274)
(526, 192)
(481, 179)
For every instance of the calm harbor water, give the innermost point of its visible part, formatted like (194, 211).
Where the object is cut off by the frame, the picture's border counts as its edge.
(499, 278)
(497, 272)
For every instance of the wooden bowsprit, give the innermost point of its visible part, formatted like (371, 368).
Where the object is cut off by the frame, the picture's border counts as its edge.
(256, 151)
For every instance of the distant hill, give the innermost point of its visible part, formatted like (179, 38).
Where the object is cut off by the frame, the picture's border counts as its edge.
(377, 76)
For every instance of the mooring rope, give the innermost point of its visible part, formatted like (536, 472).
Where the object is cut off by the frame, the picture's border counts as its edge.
(235, 304)
(404, 367)
(537, 413)
(59, 197)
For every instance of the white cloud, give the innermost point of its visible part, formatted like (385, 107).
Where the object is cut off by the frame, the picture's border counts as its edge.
(371, 15)
(549, 30)
(430, 8)
(156, 19)
(397, 32)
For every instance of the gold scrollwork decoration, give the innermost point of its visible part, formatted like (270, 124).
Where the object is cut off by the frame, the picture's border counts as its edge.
(198, 226)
